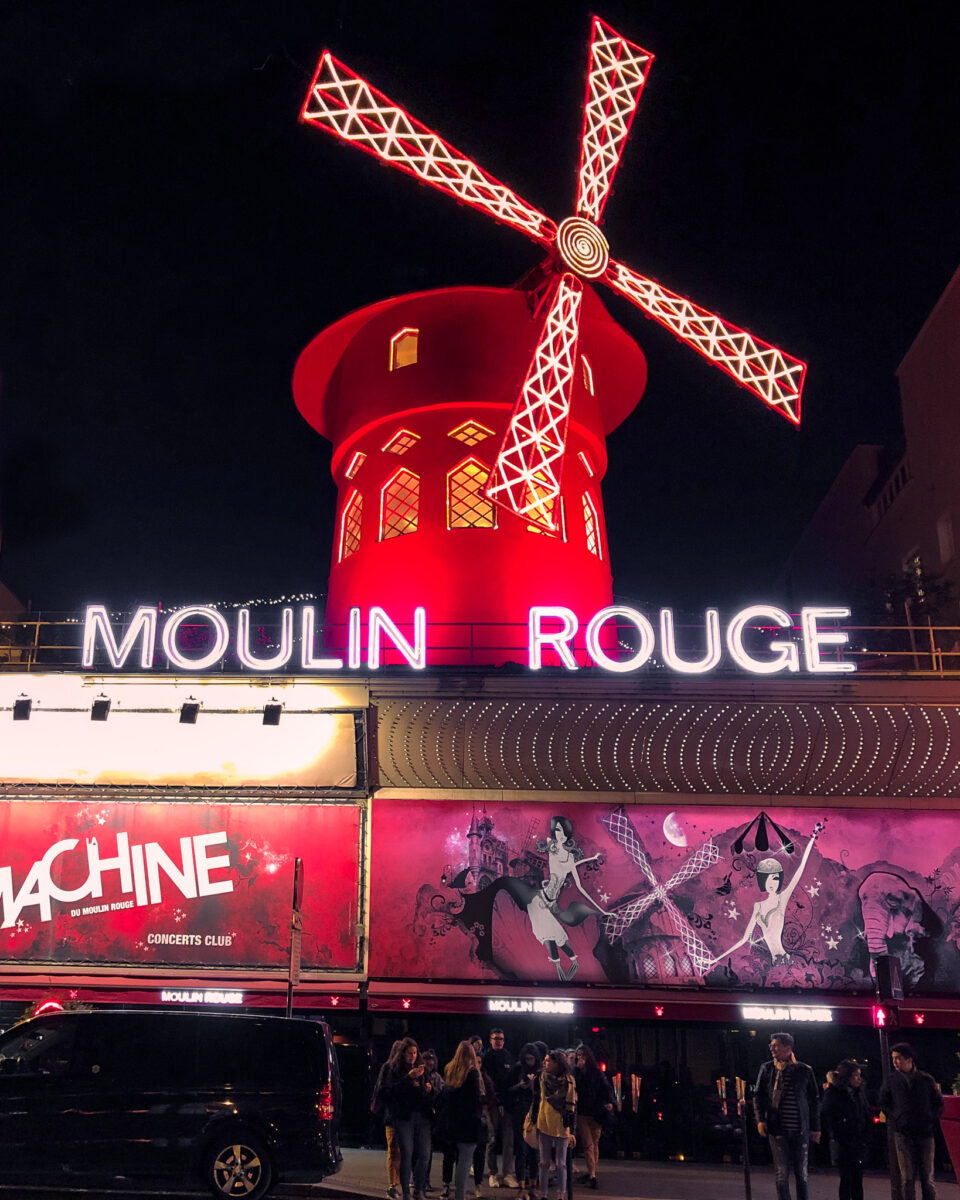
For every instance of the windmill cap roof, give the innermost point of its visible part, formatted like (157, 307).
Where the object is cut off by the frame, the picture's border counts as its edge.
(475, 343)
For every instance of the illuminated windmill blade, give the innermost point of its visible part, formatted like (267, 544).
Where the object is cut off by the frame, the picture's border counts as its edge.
(620, 826)
(759, 367)
(526, 476)
(348, 107)
(618, 71)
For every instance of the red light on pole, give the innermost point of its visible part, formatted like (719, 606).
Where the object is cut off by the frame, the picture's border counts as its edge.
(594, 1028)
(879, 1017)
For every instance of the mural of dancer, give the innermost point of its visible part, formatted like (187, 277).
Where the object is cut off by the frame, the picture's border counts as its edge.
(770, 912)
(549, 920)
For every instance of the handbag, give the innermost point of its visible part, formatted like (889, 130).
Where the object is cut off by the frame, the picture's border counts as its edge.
(530, 1132)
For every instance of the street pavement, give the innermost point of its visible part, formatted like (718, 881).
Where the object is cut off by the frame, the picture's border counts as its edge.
(363, 1176)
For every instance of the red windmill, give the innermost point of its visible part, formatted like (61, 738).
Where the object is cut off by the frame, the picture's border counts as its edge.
(561, 414)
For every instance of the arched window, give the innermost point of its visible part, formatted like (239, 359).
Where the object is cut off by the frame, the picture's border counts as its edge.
(403, 348)
(585, 463)
(467, 506)
(356, 462)
(399, 505)
(591, 526)
(350, 521)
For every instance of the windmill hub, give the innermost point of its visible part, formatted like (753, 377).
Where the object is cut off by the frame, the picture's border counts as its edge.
(582, 247)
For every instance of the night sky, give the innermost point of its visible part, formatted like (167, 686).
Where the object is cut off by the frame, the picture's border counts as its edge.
(171, 238)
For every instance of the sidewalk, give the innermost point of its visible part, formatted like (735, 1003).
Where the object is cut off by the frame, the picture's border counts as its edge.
(363, 1175)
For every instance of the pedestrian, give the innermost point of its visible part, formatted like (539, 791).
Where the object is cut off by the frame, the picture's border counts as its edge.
(435, 1089)
(787, 1106)
(556, 1110)
(594, 1108)
(845, 1117)
(522, 1080)
(462, 1110)
(379, 1109)
(912, 1100)
(497, 1063)
(489, 1101)
(409, 1103)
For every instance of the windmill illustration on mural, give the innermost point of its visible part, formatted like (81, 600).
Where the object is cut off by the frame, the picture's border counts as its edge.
(526, 476)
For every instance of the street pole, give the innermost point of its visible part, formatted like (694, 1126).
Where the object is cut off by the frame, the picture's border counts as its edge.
(744, 1108)
(296, 932)
(881, 1010)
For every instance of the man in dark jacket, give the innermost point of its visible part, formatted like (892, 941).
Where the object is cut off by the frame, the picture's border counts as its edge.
(787, 1106)
(497, 1064)
(912, 1100)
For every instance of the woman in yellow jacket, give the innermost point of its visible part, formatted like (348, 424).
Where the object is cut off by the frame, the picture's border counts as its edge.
(556, 1116)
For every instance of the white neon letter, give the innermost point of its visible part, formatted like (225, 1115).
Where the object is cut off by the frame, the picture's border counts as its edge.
(144, 622)
(785, 657)
(308, 625)
(282, 656)
(814, 638)
(668, 644)
(175, 620)
(354, 650)
(643, 627)
(416, 655)
(559, 639)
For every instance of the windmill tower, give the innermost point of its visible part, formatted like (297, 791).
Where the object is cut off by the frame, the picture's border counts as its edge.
(469, 424)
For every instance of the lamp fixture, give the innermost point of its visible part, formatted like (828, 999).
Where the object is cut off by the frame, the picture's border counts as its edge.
(271, 713)
(21, 707)
(189, 710)
(101, 708)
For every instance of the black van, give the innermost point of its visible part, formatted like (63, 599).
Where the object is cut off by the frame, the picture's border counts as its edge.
(239, 1102)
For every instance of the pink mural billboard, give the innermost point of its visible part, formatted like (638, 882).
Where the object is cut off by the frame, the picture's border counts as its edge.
(650, 895)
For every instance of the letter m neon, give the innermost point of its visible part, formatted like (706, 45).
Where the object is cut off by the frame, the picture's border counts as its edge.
(143, 623)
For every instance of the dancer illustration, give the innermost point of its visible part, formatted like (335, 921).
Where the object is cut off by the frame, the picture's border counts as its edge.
(769, 913)
(549, 921)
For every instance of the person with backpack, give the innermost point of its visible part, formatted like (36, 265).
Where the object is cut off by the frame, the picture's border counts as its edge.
(556, 1109)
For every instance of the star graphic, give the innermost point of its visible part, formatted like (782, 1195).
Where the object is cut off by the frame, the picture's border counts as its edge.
(604, 897)
(813, 891)
(733, 913)
(832, 943)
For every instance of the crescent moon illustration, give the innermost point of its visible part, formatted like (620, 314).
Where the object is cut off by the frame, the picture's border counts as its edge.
(673, 831)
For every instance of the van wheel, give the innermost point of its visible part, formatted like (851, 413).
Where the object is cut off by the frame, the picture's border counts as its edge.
(238, 1164)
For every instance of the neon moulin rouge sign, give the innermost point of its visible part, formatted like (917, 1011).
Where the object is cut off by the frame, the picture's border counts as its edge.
(761, 639)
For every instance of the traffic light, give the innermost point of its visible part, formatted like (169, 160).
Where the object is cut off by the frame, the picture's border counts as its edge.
(886, 1016)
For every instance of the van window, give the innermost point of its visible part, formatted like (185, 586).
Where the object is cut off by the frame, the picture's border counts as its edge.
(40, 1048)
(157, 1049)
(262, 1053)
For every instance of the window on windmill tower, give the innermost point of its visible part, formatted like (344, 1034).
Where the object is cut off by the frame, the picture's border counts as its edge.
(402, 441)
(350, 523)
(585, 463)
(470, 432)
(467, 506)
(561, 531)
(355, 463)
(587, 372)
(591, 526)
(399, 505)
(403, 348)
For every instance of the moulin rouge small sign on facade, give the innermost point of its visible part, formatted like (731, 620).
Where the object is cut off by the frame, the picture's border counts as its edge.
(551, 633)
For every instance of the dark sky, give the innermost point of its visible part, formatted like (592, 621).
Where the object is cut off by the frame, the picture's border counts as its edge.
(171, 237)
